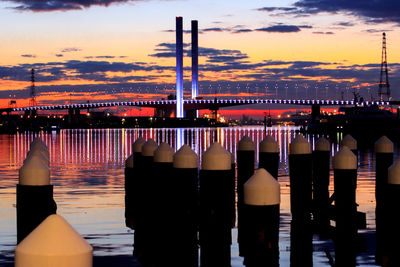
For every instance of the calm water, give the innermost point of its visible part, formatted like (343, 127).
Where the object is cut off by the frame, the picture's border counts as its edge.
(87, 171)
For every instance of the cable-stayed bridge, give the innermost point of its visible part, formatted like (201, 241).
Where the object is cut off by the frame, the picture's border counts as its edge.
(203, 104)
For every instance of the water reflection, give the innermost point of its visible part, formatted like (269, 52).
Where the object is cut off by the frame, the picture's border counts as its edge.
(87, 171)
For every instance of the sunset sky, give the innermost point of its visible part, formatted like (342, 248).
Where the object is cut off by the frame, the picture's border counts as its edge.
(125, 50)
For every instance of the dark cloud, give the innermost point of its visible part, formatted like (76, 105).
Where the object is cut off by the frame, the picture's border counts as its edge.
(75, 69)
(167, 50)
(272, 9)
(280, 28)
(374, 11)
(233, 29)
(242, 31)
(184, 31)
(371, 11)
(376, 30)
(323, 33)
(345, 24)
(62, 5)
(59, 55)
(107, 57)
(305, 26)
(71, 49)
(236, 76)
(215, 29)
(28, 55)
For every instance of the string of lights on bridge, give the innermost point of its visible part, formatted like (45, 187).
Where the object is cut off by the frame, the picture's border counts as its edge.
(220, 102)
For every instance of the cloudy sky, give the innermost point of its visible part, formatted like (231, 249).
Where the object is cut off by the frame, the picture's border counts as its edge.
(124, 49)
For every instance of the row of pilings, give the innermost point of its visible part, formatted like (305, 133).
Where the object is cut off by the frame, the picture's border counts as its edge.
(175, 207)
(185, 213)
(43, 237)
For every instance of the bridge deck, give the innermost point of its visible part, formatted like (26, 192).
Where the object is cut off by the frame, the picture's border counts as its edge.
(204, 104)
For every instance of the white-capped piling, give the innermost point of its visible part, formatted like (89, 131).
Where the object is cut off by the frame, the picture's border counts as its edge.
(268, 155)
(148, 208)
(215, 207)
(129, 188)
(40, 145)
(137, 195)
(261, 207)
(245, 169)
(383, 160)
(38, 153)
(391, 221)
(351, 143)
(185, 200)
(34, 194)
(300, 169)
(345, 177)
(159, 206)
(321, 170)
(148, 149)
(137, 150)
(54, 243)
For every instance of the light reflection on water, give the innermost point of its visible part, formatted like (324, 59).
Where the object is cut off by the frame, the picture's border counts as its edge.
(87, 170)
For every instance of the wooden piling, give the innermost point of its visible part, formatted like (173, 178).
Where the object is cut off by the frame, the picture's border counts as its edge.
(186, 195)
(34, 194)
(261, 208)
(245, 165)
(54, 243)
(345, 177)
(269, 156)
(383, 160)
(215, 207)
(321, 171)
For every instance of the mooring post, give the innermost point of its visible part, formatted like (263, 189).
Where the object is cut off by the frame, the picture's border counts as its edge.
(138, 195)
(269, 156)
(351, 143)
(148, 206)
(300, 169)
(186, 173)
(54, 243)
(34, 192)
(215, 207)
(345, 177)
(384, 159)
(321, 170)
(161, 204)
(129, 188)
(261, 208)
(391, 221)
(245, 163)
